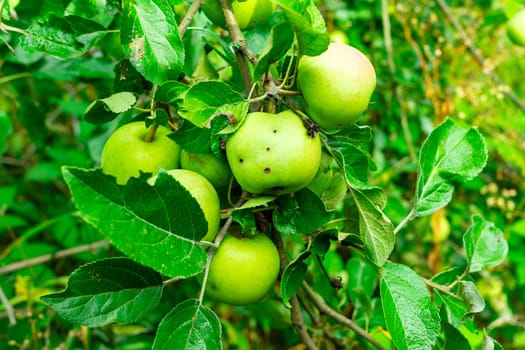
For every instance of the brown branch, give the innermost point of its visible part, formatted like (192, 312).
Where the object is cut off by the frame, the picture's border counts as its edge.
(295, 312)
(326, 309)
(48, 257)
(188, 17)
(240, 45)
(476, 53)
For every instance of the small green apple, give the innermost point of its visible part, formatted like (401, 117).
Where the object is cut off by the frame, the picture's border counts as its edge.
(204, 193)
(273, 153)
(126, 153)
(243, 269)
(216, 170)
(249, 13)
(336, 85)
(338, 36)
(516, 28)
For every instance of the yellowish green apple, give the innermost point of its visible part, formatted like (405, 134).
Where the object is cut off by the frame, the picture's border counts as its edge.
(516, 28)
(204, 193)
(273, 153)
(243, 269)
(248, 13)
(216, 170)
(336, 85)
(126, 153)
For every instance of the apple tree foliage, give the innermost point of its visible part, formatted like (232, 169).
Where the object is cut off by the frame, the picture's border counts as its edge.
(162, 66)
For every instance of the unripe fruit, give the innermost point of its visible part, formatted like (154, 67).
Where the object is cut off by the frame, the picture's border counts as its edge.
(248, 13)
(204, 193)
(273, 153)
(336, 85)
(516, 28)
(126, 153)
(216, 170)
(243, 270)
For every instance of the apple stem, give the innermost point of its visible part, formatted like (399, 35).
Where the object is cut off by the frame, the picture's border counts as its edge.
(150, 136)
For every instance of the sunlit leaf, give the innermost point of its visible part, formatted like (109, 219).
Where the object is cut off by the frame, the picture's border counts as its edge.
(308, 25)
(450, 154)
(375, 228)
(150, 39)
(106, 109)
(208, 98)
(159, 226)
(485, 245)
(189, 326)
(411, 316)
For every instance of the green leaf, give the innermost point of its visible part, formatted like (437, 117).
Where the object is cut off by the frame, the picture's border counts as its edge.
(209, 98)
(281, 40)
(86, 31)
(5, 129)
(189, 326)
(308, 24)
(362, 281)
(453, 307)
(159, 226)
(106, 109)
(322, 241)
(454, 340)
(293, 276)
(490, 343)
(53, 35)
(449, 154)
(411, 317)
(244, 214)
(485, 245)
(150, 38)
(106, 291)
(329, 183)
(351, 158)
(375, 229)
(468, 291)
(171, 91)
(302, 213)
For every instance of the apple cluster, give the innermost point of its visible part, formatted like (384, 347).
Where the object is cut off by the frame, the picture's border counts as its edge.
(271, 154)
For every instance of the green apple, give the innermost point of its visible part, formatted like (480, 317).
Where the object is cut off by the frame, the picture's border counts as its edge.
(249, 13)
(204, 193)
(243, 269)
(336, 85)
(338, 36)
(126, 153)
(273, 153)
(216, 170)
(516, 28)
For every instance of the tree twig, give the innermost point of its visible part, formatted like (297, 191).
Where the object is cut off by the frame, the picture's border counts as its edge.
(326, 309)
(240, 45)
(188, 17)
(476, 53)
(295, 312)
(8, 307)
(47, 257)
